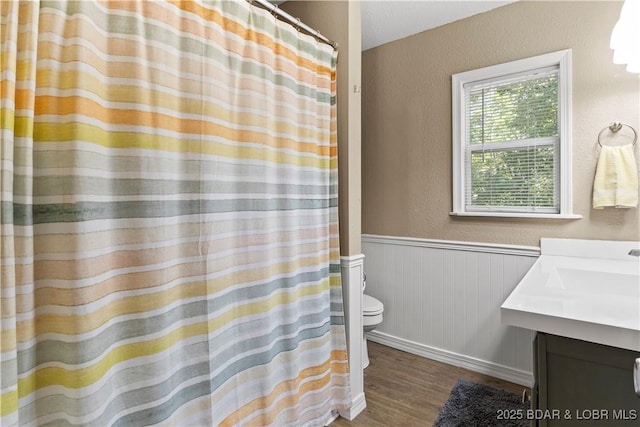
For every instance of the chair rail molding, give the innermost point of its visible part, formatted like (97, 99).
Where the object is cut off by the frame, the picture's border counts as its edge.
(493, 248)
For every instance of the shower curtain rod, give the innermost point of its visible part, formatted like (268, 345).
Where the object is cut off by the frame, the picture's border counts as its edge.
(273, 8)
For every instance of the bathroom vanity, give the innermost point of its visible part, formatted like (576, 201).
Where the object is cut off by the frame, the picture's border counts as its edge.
(582, 383)
(583, 299)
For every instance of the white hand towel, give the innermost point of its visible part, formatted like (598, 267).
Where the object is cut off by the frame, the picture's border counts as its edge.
(616, 180)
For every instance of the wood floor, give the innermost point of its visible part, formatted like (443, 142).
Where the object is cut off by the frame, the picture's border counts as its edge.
(403, 389)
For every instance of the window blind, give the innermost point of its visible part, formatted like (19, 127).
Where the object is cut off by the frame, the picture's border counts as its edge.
(512, 143)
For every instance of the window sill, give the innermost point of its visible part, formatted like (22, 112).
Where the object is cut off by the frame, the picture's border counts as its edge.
(517, 215)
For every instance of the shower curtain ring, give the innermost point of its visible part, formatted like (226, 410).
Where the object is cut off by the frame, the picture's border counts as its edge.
(298, 25)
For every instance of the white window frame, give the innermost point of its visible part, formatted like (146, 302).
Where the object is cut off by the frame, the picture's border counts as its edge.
(561, 59)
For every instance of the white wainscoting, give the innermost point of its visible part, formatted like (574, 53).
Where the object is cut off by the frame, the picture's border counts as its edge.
(352, 268)
(442, 301)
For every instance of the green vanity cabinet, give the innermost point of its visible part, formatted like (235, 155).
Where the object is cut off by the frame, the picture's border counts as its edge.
(580, 383)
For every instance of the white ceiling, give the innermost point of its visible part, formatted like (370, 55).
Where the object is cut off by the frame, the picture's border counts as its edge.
(384, 21)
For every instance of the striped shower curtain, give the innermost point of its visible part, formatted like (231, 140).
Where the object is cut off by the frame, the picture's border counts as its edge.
(169, 235)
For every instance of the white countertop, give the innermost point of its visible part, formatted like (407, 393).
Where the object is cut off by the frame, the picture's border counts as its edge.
(583, 289)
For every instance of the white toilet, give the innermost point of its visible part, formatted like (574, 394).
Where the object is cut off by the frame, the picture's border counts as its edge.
(371, 317)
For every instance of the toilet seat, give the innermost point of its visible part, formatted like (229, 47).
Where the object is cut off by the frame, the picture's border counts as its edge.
(371, 306)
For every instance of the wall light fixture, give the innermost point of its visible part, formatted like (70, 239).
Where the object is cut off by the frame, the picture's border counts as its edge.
(625, 38)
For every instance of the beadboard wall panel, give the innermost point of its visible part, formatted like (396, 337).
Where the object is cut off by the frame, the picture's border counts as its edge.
(442, 300)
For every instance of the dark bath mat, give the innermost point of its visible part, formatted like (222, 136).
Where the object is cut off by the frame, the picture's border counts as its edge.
(478, 405)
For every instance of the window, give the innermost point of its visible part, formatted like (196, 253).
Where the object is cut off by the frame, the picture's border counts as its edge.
(512, 139)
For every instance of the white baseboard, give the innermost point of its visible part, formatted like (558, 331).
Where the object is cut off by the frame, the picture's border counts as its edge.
(357, 405)
(455, 359)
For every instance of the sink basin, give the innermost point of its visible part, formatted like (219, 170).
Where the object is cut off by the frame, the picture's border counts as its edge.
(583, 289)
(590, 281)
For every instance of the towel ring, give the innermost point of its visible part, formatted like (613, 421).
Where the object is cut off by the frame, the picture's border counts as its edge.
(615, 127)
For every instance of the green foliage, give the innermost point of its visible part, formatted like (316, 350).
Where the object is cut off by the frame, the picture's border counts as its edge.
(513, 176)
(516, 178)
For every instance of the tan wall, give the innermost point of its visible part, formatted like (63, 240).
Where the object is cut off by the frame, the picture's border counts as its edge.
(340, 22)
(406, 120)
